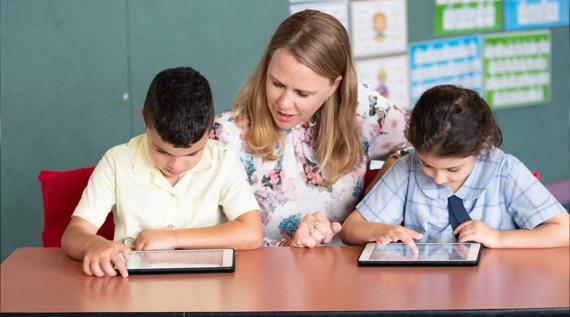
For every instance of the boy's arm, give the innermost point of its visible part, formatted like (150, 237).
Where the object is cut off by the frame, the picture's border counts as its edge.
(81, 242)
(243, 233)
(356, 230)
(554, 232)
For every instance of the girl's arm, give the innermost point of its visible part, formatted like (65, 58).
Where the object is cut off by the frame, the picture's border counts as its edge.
(356, 231)
(554, 232)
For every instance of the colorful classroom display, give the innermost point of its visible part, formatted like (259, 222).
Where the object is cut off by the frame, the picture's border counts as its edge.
(481, 47)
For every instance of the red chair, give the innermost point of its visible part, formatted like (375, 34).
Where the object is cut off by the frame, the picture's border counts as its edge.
(61, 191)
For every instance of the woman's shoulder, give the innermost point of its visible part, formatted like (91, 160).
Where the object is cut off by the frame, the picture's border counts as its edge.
(370, 101)
(227, 127)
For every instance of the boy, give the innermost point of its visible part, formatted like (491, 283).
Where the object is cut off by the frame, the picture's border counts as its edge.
(169, 188)
(458, 185)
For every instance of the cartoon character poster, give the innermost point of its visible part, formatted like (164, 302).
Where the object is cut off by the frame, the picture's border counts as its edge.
(379, 27)
(388, 76)
(338, 9)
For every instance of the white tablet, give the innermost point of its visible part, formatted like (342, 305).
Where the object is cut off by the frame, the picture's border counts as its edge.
(429, 254)
(181, 261)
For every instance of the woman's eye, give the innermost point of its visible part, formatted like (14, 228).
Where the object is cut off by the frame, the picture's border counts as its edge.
(279, 85)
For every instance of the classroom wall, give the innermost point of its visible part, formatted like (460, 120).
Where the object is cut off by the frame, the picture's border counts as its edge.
(74, 74)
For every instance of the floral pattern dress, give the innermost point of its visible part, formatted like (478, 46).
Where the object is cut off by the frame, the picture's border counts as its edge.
(289, 187)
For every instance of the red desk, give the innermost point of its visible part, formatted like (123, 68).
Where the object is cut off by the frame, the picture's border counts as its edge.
(296, 281)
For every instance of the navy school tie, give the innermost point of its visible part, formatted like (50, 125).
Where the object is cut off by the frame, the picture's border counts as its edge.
(457, 212)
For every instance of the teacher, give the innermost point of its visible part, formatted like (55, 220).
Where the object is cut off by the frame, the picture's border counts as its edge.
(305, 130)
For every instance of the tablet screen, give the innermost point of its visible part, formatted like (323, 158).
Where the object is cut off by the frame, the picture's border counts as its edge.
(181, 260)
(429, 253)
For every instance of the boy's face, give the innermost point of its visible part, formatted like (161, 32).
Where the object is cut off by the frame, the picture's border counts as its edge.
(447, 171)
(171, 161)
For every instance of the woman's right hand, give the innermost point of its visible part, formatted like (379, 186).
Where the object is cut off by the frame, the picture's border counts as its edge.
(314, 230)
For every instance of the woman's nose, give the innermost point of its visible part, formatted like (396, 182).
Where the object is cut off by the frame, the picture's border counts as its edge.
(285, 100)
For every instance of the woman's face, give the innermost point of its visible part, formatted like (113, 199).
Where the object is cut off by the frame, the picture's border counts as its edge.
(294, 91)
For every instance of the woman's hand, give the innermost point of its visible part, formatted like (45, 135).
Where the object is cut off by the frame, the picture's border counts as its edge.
(313, 230)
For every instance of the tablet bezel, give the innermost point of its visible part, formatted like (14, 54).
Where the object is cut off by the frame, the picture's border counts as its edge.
(473, 257)
(228, 263)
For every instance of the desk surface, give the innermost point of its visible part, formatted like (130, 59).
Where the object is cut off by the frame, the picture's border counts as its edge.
(324, 279)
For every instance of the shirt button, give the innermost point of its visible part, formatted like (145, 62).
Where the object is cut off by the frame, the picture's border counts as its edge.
(170, 227)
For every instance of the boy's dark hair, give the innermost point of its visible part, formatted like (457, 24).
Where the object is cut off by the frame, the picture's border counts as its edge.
(179, 106)
(451, 121)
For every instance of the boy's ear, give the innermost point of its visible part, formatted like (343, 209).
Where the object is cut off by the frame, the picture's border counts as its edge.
(141, 111)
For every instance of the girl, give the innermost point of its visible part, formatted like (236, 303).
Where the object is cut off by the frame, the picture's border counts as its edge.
(458, 185)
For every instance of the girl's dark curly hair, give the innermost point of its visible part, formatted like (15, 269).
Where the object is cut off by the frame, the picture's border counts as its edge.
(451, 121)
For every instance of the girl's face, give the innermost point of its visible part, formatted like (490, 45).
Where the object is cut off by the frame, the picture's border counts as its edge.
(294, 91)
(447, 171)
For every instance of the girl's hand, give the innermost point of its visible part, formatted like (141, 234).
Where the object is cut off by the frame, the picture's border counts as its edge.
(399, 233)
(478, 231)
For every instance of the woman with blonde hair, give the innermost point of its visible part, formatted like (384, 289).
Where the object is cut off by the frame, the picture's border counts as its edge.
(305, 130)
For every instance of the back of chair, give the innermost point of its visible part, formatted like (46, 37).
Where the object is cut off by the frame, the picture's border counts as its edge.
(61, 191)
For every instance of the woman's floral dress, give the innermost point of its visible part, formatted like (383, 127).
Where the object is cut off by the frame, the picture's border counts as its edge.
(288, 188)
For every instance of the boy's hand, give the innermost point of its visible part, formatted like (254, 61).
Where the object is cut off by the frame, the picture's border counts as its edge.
(313, 230)
(478, 231)
(155, 240)
(101, 255)
(399, 233)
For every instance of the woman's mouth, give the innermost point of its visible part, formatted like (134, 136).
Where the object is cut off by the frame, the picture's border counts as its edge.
(284, 117)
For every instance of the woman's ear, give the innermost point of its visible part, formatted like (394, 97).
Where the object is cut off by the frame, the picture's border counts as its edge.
(334, 86)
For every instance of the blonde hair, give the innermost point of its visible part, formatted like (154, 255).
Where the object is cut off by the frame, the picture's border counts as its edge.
(320, 42)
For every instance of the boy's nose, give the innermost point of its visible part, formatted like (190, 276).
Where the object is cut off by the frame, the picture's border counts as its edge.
(174, 163)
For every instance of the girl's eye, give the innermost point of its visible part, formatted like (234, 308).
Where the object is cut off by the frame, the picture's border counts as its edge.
(301, 94)
(279, 85)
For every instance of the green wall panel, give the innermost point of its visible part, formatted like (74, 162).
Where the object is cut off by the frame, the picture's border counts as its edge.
(63, 75)
(223, 39)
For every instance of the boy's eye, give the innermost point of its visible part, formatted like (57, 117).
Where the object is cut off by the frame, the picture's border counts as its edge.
(161, 151)
(453, 170)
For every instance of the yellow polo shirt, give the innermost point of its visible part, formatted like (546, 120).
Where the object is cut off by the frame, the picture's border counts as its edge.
(126, 181)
